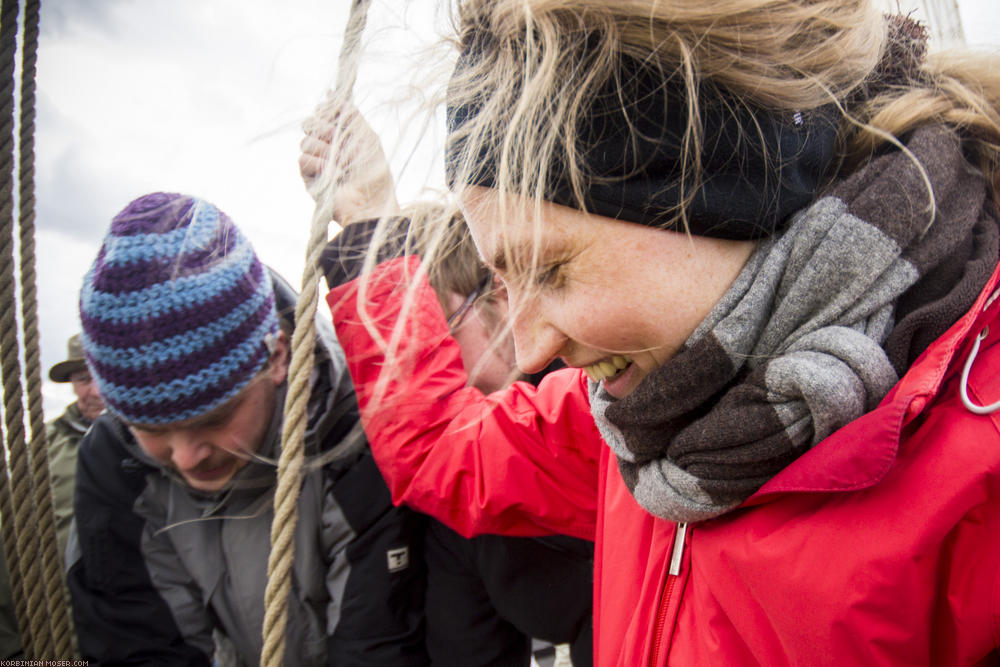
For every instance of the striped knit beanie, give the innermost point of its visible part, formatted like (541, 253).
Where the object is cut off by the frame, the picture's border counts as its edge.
(177, 311)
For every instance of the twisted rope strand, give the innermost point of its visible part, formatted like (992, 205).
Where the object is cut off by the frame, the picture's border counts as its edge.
(10, 365)
(10, 552)
(279, 565)
(52, 569)
(8, 22)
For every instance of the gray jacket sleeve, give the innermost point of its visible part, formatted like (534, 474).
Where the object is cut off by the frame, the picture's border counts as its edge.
(175, 585)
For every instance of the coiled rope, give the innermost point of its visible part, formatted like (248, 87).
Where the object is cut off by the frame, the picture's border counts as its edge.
(279, 565)
(29, 536)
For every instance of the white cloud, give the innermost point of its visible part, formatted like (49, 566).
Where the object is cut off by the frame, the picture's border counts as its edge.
(204, 98)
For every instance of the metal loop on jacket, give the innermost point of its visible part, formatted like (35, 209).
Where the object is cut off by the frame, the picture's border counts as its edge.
(963, 387)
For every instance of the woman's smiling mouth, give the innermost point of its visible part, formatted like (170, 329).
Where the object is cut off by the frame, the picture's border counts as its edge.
(607, 368)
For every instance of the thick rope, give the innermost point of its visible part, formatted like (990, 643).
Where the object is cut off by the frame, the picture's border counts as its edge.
(52, 566)
(8, 23)
(27, 539)
(10, 552)
(279, 565)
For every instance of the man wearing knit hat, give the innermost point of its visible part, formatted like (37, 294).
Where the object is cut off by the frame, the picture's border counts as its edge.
(184, 330)
(65, 431)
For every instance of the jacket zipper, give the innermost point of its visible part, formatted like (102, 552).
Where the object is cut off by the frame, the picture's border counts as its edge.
(673, 572)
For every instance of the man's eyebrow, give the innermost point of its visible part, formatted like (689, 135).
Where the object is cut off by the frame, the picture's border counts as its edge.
(220, 413)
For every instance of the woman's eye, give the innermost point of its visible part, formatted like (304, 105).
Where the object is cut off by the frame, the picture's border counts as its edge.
(549, 276)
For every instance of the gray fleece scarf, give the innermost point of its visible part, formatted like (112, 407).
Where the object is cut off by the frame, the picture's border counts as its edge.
(813, 333)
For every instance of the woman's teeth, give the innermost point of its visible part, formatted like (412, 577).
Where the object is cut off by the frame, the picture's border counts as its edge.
(607, 368)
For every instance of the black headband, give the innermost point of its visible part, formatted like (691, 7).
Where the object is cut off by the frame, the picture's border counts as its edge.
(758, 167)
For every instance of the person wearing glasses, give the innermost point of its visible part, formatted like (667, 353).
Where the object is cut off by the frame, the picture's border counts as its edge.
(488, 596)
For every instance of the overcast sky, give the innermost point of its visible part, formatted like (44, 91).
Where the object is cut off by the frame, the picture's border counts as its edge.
(206, 97)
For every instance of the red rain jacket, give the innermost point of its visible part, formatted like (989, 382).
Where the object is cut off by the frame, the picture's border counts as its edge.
(880, 546)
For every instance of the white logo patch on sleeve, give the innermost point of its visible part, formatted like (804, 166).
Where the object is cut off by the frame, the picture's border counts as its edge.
(399, 558)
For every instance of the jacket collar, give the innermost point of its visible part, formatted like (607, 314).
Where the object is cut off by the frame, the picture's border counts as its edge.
(73, 419)
(860, 454)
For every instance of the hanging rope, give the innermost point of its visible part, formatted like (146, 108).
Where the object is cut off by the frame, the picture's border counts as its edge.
(25, 568)
(33, 562)
(279, 565)
(52, 568)
(8, 31)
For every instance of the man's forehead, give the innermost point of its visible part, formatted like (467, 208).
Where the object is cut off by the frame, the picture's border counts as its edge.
(212, 416)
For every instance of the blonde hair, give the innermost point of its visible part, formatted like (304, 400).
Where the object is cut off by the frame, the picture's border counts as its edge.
(439, 230)
(957, 88)
(538, 63)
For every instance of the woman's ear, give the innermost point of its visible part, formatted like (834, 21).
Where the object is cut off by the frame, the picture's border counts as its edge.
(278, 363)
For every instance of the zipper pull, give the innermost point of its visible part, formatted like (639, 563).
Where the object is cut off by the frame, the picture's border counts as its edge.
(678, 550)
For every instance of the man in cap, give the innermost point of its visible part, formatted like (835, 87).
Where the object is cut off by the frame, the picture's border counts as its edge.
(65, 431)
(63, 434)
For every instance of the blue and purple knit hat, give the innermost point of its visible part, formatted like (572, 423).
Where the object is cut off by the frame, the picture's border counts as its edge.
(177, 310)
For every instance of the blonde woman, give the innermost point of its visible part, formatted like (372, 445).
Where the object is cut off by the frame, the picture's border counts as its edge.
(763, 235)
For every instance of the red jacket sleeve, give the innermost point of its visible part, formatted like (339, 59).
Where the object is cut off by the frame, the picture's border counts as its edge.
(521, 461)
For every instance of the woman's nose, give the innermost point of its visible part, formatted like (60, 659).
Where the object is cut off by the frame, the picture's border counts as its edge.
(537, 341)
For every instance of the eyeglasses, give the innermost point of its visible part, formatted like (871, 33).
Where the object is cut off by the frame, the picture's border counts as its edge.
(460, 314)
